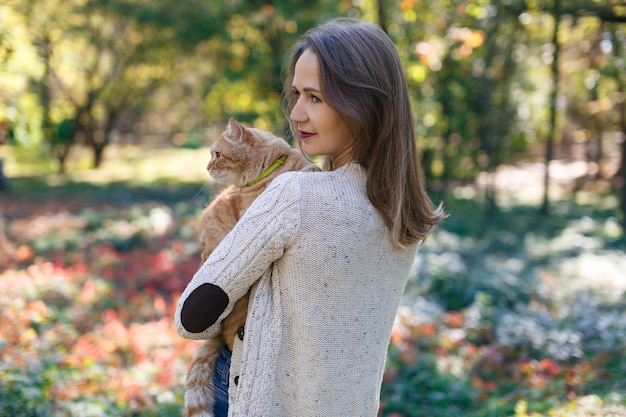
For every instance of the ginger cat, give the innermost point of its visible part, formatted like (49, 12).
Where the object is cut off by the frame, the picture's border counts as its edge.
(247, 159)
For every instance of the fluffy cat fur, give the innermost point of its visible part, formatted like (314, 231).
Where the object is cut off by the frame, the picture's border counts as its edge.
(240, 155)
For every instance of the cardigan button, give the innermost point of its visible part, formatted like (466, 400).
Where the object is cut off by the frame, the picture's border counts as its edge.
(240, 333)
(236, 380)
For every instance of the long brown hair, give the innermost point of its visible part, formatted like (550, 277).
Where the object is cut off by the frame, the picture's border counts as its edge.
(363, 80)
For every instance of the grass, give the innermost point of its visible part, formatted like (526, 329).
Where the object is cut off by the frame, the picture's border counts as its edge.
(512, 315)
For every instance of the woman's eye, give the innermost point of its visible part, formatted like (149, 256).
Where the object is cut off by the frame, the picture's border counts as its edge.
(316, 99)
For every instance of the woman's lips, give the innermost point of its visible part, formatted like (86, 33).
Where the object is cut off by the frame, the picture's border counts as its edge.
(306, 135)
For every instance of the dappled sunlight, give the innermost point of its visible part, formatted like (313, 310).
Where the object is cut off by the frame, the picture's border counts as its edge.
(124, 164)
(523, 183)
(88, 287)
(87, 301)
(66, 327)
(515, 303)
(506, 312)
(129, 164)
(602, 272)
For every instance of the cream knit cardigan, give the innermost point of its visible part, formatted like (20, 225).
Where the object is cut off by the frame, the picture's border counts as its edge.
(326, 284)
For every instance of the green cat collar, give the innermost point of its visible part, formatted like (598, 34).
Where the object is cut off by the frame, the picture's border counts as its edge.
(268, 171)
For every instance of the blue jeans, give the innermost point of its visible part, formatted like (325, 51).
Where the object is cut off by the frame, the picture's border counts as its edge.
(220, 382)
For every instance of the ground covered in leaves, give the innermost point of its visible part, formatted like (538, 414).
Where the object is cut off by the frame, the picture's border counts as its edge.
(507, 315)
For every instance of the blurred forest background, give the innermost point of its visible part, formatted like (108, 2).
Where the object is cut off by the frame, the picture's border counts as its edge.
(494, 82)
(516, 305)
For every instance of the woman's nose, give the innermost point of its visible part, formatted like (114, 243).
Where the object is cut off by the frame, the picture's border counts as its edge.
(297, 113)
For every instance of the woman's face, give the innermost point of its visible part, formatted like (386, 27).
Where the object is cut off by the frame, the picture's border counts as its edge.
(321, 130)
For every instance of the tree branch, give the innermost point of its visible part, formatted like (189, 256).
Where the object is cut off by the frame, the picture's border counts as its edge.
(606, 14)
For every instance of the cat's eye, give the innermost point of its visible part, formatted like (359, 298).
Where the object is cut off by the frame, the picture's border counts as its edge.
(217, 155)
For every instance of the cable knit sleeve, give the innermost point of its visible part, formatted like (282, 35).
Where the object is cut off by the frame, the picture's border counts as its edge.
(258, 239)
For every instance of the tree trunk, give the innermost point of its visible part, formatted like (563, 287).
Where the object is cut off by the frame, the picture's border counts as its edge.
(4, 182)
(620, 79)
(97, 140)
(593, 153)
(622, 170)
(545, 210)
(62, 157)
(48, 128)
(5, 134)
(382, 16)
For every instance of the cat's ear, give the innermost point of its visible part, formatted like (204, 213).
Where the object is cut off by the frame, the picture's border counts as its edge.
(236, 130)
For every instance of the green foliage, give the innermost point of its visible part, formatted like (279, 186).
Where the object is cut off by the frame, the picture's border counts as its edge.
(26, 393)
(511, 316)
(478, 71)
(425, 388)
(506, 314)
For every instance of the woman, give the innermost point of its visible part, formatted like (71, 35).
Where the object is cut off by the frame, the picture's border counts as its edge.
(333, 249)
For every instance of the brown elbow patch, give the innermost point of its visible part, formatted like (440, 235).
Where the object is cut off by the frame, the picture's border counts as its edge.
(203, 307)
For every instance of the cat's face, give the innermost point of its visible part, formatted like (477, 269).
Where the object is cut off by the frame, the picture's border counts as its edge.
(238, 155)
